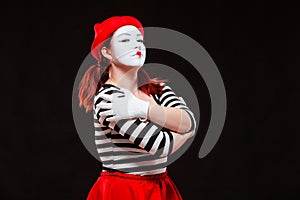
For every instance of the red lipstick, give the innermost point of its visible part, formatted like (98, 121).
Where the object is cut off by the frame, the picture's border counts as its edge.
(139, 53)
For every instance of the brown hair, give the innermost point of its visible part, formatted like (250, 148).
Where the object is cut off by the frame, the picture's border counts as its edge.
(91, 81)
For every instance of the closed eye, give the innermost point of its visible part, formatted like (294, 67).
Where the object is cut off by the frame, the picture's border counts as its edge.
(125, 40)
(142, 41)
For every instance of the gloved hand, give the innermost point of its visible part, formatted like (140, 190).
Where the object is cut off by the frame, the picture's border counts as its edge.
(123, 106)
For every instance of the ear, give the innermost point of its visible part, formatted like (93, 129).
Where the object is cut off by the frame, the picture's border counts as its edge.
(106, 53)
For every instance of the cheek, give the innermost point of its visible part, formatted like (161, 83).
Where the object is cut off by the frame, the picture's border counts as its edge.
(120, 49)
(143, 49)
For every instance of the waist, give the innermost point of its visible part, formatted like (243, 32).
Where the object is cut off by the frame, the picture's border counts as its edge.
(119, 174)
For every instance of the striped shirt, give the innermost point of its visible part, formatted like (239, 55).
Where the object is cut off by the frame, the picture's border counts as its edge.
(131, 145)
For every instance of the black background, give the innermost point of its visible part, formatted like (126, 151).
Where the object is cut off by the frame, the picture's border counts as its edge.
(255, 45)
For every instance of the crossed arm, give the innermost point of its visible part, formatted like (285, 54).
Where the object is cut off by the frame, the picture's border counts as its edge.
(162, 134)
(173, 113)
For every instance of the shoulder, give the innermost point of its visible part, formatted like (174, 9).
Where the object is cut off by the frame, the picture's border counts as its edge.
(166, 87)
(105, 88)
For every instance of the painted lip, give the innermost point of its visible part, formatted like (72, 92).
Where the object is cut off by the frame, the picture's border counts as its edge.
(138, 53)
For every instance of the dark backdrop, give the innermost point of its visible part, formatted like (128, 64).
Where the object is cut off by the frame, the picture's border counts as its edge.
(255, 46)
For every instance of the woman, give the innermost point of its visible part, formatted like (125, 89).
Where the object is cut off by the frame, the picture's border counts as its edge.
(138, 121)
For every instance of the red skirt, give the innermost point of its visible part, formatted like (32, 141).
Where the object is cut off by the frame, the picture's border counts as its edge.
(120, 186)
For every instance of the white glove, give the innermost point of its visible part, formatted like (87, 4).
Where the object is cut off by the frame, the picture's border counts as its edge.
(123, 106)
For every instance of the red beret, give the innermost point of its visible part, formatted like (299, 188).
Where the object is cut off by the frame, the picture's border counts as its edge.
(104, 30)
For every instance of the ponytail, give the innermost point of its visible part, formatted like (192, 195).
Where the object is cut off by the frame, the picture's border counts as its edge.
(149, 85)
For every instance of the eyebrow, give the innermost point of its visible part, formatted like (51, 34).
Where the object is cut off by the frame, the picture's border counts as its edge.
(129, 34)
(123, 34)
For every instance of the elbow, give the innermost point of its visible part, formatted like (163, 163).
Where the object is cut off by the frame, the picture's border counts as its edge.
(158, 153)
(188, 123)
(153, 152)
(184, 128)
(161, 151)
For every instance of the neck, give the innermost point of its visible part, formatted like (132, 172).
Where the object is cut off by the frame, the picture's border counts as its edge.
(124, 77)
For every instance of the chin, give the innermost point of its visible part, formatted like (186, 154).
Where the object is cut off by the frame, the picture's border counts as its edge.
(137, 65)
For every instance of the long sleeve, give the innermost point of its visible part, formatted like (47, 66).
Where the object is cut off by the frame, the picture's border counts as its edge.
(168, 98)
(149, 136)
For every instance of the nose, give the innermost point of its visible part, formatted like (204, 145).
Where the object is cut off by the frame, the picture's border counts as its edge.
(138, 47)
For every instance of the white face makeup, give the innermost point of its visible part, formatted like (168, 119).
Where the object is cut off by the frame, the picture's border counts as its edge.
(127, 46)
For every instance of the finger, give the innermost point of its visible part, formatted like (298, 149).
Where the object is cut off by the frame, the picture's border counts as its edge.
(106, 113)
(113, 118)
(125, 92)
(106, 97)
(105, 105)
(116, 96)
(101, 119)
(121, 96)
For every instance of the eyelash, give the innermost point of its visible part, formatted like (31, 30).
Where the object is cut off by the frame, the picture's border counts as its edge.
(127, 40)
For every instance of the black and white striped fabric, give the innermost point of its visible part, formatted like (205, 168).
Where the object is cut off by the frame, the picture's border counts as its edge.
(131, 145)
